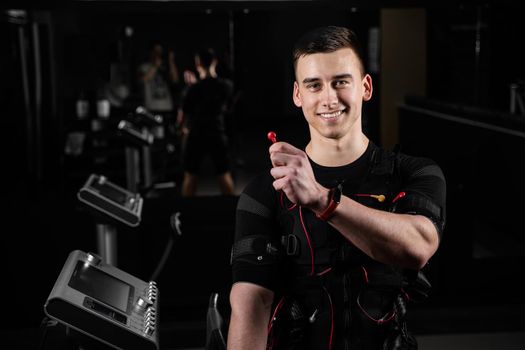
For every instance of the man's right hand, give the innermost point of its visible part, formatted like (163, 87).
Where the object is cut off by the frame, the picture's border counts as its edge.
(294, 176)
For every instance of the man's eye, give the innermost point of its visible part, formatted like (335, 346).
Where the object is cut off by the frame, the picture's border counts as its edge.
(313, 86)
(340, 83)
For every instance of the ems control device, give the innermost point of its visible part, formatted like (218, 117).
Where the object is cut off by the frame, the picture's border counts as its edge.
(105, 303)
(135, 133)
(112, 200)
(148, 117)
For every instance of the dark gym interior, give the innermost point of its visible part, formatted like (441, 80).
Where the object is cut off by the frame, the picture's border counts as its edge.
(449, 84)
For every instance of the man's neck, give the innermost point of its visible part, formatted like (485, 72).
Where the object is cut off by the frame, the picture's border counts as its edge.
(337, 152)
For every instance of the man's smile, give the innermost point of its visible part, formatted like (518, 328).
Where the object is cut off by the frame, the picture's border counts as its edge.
(331, 115)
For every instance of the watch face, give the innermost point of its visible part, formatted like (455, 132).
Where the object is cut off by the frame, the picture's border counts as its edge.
(336, 197)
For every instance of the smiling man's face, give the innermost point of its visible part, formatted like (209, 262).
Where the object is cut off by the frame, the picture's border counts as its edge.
(330, 88)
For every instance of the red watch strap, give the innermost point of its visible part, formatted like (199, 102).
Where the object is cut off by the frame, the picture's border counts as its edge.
(329, 211)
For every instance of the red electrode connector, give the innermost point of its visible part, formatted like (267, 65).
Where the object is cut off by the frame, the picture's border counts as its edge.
(399, 196)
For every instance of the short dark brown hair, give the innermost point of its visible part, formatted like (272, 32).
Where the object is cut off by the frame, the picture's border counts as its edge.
(325, 40)
(207, 56)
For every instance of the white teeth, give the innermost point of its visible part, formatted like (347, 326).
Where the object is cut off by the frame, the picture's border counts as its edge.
(331, 115)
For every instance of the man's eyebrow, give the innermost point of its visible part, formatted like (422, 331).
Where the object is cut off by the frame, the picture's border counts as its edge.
(338, 76)
(343, 76)
(310, 80)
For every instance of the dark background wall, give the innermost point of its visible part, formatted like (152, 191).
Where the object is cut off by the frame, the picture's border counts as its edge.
(43, 221)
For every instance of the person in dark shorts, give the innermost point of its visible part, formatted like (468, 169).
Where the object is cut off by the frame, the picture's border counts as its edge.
(331, 242)
(203, 109)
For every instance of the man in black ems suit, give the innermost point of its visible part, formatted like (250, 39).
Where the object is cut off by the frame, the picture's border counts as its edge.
(330, 243)
(204, 106)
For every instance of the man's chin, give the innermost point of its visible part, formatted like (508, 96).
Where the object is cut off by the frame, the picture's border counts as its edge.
(331, 134)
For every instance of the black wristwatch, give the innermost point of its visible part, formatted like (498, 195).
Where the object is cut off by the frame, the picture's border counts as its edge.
(335, 199)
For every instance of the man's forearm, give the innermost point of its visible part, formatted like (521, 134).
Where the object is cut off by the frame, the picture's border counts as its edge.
(247, 332)
(398, 239)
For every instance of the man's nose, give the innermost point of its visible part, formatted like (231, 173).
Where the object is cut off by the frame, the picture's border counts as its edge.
(330, 98)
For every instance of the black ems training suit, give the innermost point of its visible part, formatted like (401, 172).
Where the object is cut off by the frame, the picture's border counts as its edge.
(328, 293)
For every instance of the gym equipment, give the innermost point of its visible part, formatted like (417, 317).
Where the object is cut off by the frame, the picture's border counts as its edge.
(517, 96)
(105, 303)
(140, 138)
(148, 117)
(215, 326)
(116, 205)
(141, 129)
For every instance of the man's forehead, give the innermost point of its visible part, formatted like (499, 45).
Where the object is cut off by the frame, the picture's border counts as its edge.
(322, 65)
(345, 52)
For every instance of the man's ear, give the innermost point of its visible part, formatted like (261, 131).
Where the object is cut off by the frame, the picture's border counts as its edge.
(296, 95)
(368, 87)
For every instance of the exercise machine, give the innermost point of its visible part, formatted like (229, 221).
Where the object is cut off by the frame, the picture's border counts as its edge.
(142, 130)
(110, 204)
(104, 303)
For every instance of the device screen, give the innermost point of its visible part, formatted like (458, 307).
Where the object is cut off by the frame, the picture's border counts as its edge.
(100, 286)
(110, 192)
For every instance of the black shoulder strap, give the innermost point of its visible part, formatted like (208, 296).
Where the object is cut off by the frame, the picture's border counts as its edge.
(383, 162)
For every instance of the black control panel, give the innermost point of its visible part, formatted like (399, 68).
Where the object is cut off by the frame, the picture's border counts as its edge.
(105, 303)
(112, 200)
